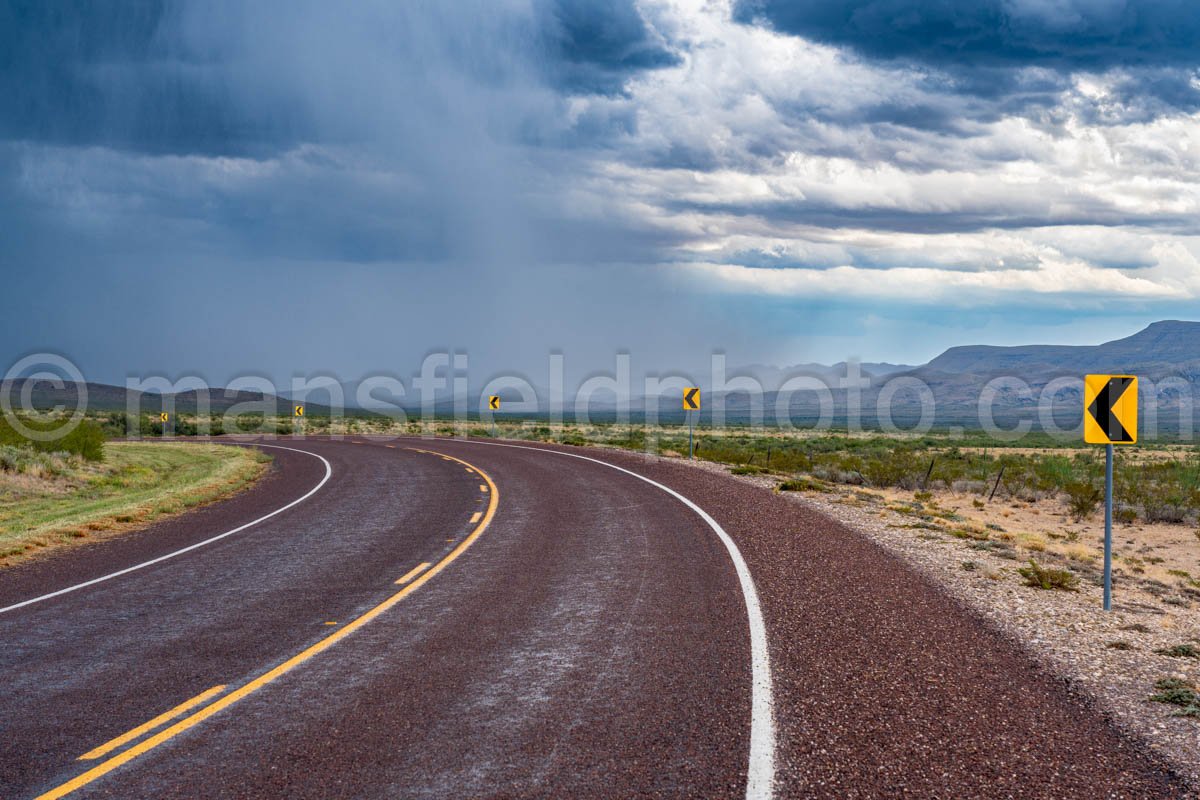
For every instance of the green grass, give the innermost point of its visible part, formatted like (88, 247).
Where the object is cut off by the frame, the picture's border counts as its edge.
(137, 483)
(86, 439)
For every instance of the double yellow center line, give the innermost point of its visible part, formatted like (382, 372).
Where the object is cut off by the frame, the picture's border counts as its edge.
(224, 702)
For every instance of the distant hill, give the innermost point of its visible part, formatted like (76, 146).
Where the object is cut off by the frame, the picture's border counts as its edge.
(1166, 355)
(1170, 347)
(103, 397)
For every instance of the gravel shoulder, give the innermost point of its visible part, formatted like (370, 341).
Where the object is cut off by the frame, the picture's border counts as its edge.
(1107, 658)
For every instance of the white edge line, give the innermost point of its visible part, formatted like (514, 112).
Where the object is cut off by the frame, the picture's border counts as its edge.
(760, 774)
(144, 564)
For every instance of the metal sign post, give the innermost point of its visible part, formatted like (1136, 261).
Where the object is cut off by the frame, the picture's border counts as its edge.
(1108, 492)
(1110, 417)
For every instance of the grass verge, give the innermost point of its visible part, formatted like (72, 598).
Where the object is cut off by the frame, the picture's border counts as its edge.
(136, 484)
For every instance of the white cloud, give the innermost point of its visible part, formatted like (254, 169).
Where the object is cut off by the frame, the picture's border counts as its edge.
(791, 168)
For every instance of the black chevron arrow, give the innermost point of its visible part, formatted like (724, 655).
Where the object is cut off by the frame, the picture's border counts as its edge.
(1101, 409)
(689, 398)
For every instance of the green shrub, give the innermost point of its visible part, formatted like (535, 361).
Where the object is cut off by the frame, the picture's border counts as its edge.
(1180, 651)
(26, 460)
(1040, 577)
(86, 439)
(1176, 692)
(1082, 498)
(1125, 515)
(802, 484)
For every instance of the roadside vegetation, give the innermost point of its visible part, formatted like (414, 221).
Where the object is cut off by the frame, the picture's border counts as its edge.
(1159, 483)
(50, 499)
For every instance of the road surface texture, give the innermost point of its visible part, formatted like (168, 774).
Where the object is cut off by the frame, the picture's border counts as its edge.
(449, 618)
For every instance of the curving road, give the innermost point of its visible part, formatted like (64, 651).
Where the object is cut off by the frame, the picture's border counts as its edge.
(433, 618)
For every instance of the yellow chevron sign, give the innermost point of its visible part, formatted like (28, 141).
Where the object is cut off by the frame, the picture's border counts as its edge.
(164, 417)
(298, 411)
(1110, 405)
(494, 402)
(691, 398)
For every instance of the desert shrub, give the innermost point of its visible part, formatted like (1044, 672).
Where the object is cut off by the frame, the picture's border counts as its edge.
(1082, 498)
(86, 439)
(1040, 577)
(27, 461)
(1180, 651)
(1162, 502)
(1053, 473)
(1124, 515)
(802, 484)
(898, 468)
(1176, 692)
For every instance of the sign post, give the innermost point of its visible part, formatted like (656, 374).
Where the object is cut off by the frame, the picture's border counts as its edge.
(691, 402)
(165, 419)
(494, 405)
(1110, 417)
(298, 415)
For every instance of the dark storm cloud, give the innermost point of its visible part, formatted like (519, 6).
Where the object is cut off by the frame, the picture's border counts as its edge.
(1083, 34)
(977, 47)
(595, 47)
(170, 77)
(113, 74)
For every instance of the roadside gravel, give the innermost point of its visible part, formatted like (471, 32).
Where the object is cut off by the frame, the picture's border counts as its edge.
(1109, 658)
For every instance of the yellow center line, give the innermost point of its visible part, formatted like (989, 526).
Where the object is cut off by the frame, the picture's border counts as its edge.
(414, 572)
(482, 488)
(129, 736)
(475, 517)
(146, 745)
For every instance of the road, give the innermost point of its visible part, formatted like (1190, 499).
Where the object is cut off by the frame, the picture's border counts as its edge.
(449, 618)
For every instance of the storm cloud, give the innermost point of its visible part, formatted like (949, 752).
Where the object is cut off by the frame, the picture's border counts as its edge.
(306, 186)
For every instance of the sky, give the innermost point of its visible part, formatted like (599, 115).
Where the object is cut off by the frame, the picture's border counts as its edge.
(302, 187)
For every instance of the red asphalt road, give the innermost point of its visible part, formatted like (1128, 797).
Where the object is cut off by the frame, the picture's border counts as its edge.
(591, 642)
